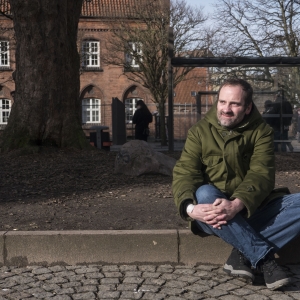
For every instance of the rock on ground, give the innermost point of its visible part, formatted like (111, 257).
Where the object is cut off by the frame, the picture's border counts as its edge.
(138, 157)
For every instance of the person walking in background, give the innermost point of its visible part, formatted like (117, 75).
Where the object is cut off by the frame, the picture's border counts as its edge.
(224, 183)
(269, 115)
(141, 118)
(279, 116)
(285, 110)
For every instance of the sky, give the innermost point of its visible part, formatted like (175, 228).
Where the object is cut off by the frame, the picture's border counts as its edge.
(205, 3)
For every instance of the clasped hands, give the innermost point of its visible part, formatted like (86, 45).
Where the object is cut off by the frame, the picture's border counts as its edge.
(218, 213)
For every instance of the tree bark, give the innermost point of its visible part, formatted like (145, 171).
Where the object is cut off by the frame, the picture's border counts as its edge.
(46, 109)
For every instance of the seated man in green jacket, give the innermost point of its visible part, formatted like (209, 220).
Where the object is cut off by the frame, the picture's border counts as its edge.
(224, 183)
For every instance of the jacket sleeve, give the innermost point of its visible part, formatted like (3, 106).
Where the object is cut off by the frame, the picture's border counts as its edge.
(259, 180)
(187, 174)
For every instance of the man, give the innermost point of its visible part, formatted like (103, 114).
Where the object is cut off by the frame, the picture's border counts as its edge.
(270, 110)
(272, 116)
(283, 112)
(224, 183)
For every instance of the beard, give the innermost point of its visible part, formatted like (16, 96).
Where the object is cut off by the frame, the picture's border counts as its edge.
(229, 120)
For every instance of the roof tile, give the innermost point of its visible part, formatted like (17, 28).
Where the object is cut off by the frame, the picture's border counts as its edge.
(97, 8)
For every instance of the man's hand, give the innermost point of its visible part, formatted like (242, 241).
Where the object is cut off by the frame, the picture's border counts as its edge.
(218, 213)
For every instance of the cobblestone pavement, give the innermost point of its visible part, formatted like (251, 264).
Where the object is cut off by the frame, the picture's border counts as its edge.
(136, 282)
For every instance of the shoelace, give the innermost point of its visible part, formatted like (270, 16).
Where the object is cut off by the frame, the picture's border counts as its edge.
(270, 266)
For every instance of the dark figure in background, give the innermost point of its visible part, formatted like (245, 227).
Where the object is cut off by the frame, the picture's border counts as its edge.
(141, 118)
(281, 120)
(269, 115)
(286, 115)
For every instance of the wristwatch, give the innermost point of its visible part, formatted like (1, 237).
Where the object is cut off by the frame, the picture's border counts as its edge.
(190, 208)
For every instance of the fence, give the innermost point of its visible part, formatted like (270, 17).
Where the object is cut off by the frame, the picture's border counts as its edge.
(185, 116)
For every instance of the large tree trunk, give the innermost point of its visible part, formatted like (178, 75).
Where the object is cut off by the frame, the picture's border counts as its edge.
(46, 109)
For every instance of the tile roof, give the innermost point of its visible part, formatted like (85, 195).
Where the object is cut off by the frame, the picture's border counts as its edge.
(195, 81)
(97, 8)
(109, 8)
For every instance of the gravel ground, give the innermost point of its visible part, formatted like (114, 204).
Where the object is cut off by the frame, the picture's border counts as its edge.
(78, 190)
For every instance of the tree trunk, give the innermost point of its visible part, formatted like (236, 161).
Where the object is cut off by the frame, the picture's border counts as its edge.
(46, 109)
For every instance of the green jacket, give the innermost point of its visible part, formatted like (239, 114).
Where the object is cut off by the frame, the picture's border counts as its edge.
(239, 161)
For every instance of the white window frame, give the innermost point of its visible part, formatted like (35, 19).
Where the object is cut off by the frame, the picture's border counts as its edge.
(4, 54)
(130, 108)
(5, 108)
(91, 54)
(91, 110)
(131, 59)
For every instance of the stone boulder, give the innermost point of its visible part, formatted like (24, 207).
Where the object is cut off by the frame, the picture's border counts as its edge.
(138, 157)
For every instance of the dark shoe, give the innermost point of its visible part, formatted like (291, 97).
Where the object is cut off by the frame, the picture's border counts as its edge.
(238, 265)
(274, 275)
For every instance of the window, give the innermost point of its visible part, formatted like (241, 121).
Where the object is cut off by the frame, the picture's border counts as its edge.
(91, 110)
(4, 54)
(135, 56)
(4, 110)
(130, 108)
(91, 54)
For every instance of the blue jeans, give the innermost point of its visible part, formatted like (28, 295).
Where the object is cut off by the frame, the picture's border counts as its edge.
(268, 229)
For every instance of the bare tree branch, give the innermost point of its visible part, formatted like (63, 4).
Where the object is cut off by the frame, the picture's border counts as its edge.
(144, 41)
(260, 28)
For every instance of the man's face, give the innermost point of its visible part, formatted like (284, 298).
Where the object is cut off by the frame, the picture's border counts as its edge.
(231, 108)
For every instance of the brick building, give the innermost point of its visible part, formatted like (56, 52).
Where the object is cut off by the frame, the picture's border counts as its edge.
(7, 65)
(99, 82)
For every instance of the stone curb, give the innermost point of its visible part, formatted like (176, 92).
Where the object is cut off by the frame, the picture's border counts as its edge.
(23, 248)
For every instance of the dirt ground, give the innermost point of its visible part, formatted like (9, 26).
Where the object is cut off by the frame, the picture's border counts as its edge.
(78, 190)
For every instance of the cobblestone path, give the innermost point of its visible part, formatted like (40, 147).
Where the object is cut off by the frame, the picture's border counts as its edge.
(136, 282)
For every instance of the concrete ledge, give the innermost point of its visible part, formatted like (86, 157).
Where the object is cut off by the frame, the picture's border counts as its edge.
(194, 249)
(22, 248)
(88, 247)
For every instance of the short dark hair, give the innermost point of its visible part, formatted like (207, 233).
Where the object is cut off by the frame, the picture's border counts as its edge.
(143, 106)
(268, 103)
(140, 102)
(247, 88)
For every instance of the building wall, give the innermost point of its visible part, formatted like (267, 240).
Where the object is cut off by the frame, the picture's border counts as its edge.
(109, 81)
(7, 85)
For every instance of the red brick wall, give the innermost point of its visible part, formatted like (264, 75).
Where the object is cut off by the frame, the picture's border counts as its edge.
(6, 80)
(109, 81)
